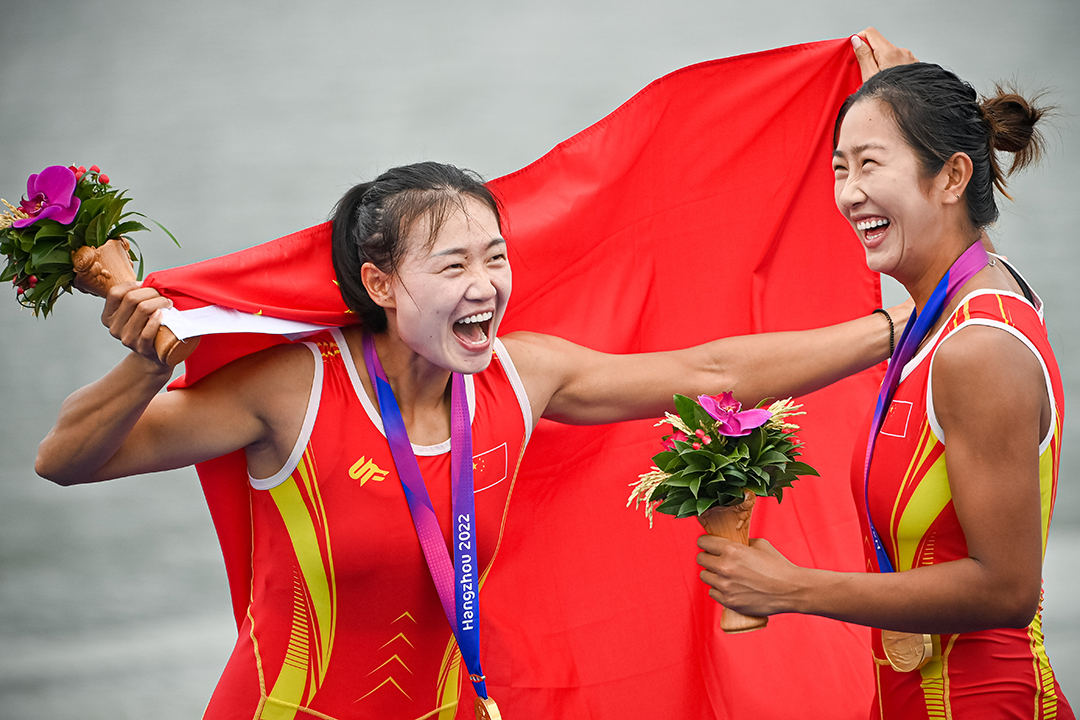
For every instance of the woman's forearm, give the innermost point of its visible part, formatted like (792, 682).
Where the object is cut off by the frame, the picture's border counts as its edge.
(787, 364)
(958, 596)
(95, 420)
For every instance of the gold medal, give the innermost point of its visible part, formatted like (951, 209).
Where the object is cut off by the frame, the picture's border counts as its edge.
(907, 652)
(486, 709)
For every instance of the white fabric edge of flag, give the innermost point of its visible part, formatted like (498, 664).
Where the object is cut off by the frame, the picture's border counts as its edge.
(214, 320)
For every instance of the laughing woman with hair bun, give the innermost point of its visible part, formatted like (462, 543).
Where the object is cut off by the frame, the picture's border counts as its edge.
(956, 477)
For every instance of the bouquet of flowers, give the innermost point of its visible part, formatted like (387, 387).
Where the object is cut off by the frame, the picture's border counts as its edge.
(718, 453)
(716, 463)
(65, 209)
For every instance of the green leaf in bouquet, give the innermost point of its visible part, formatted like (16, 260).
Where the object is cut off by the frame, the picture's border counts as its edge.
(681, 447)
(114, 210)
(785, 444)
(784, 478)
(59, 260)
(94, 205)
(670, 506)
(698, 459)
(800, 468)
(722, 461)
(735, 476)
(703, 504)
(688, 508)
(772, 457)
(8, 273)
(703, 419)
(785, 481)
(730, 499)
(680, 479)
(758, 486)
(695, 483)
(133, 256)
(756, 472)
(49, 229)
(78, 234)
(684, 407)
(766, 444)
(89, 232)
(163, 228)
(99, 230)
(49, 271)
(754, 443)
(47, 252)
(47, 304)
(124, 228)
(663, 460)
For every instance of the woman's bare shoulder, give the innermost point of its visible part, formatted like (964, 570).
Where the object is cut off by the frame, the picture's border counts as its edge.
(264, 378)
(528, 342)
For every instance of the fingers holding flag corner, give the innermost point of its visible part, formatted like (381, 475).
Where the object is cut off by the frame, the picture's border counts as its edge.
(875, 53)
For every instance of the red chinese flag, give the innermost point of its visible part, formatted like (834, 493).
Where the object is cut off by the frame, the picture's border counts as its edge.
(699, 209)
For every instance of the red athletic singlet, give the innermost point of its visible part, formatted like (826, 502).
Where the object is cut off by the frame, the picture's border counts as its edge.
(1002, 673)
(344, 620)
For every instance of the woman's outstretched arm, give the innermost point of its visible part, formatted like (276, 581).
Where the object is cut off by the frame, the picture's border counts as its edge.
(579, 386)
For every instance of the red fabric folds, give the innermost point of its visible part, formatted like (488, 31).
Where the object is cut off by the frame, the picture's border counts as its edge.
(701, 208)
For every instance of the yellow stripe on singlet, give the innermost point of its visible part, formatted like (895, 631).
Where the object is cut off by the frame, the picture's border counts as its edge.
(315, 603)
(928, 499)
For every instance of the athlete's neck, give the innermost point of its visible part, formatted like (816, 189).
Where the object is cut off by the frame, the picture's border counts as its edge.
(422, 390)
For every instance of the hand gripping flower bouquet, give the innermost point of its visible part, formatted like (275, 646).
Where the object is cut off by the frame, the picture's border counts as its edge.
(71, 231)
(717, 462)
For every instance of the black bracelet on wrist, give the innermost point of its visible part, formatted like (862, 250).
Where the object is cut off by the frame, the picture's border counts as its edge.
(892, 329)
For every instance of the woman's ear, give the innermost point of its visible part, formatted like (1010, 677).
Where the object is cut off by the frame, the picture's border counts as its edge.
(954, 177)
(378, 285)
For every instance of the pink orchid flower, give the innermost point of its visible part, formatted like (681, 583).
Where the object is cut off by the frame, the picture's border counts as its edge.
(669, 441)
(50, 195)
(733, 420)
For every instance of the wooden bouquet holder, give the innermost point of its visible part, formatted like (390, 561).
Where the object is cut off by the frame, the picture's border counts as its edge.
(97, 269)
(733, 523)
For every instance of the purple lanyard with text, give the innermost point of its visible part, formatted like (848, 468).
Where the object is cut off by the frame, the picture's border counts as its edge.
(458, 586)
(970, 262)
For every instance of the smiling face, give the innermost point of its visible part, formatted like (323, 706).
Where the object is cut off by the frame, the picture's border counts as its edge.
(880, 189)
(447, 297)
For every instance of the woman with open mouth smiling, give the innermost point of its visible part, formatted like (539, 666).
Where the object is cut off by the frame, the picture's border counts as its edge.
(957, 475)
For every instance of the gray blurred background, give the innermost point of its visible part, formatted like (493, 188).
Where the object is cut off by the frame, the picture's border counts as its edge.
(233, 123)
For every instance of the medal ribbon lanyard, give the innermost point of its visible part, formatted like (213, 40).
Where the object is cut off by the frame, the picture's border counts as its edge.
(970, 262)
(458, 586)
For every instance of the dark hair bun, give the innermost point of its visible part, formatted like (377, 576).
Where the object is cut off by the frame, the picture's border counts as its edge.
(1011, 120)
